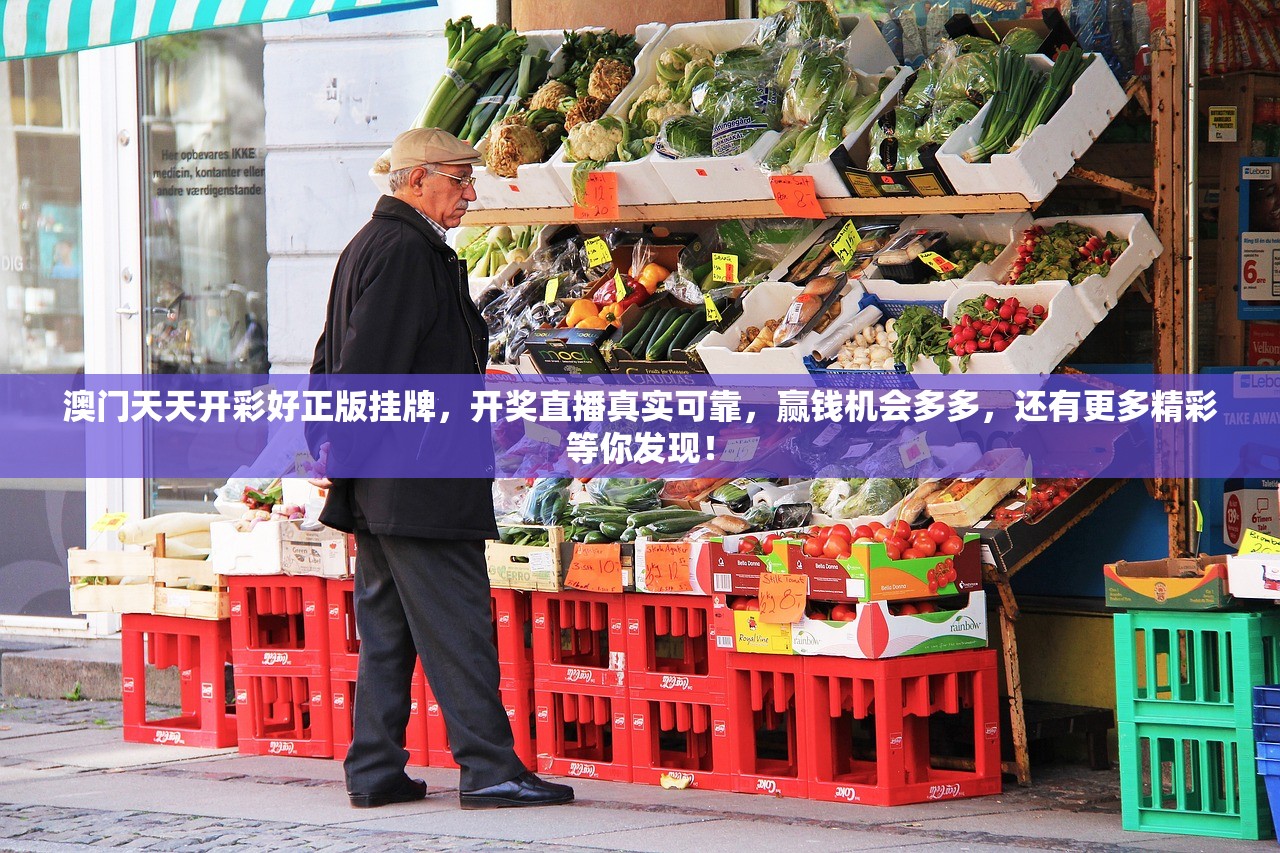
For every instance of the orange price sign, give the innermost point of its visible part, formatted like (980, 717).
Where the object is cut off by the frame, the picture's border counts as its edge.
(666, 566)
(797, 196)
(595, 568)
(600, 200)
(782, 597)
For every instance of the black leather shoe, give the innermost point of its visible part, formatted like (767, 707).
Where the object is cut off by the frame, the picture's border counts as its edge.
(524, 790)
(409, 790)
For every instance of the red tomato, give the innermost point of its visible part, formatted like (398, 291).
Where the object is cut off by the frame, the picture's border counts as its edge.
(864, 540)
(901, 528)
(902, 544)
(882, 535)
(875, 525)
(892, 551)
(835, 547)
(927, 607)
(911, 554)
(862, 531)
(767, 547)
(739, 604)
(842, 530)
(843, 613)
(818, 532)
(926, 546)
(952, 545)
(749, 545)
(812, 547)
(940, 532)
(908, 609)
(753, 604)
(933, 586)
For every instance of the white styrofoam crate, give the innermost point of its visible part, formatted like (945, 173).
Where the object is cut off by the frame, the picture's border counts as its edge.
(539, 184)
(1254, 575)
(739, 177)
(1101, 293)
(1052, 149)
(1064, 327)
(1002, 228)
(769, 301)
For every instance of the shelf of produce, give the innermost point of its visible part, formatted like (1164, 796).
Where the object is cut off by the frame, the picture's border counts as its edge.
(957, 204)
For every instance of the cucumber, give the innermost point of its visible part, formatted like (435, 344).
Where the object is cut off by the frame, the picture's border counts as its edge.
(595, 537)
(693, 324)
(628, 535)
(679, 525)
(659, 325)
(638, 331)
(640, 519)
(659, 346)
(613, 530)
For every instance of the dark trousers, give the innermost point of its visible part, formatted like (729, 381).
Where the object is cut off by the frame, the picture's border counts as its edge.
(431, 595)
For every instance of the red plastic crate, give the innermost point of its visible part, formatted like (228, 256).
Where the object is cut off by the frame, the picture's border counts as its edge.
(200, 649)
(770, 754)
(583, 735)
(513, 635)
(868, 724)
(579, 641)
(674, 736)
(279, 622)
(344, 641)
(518, 702)
(671, 648)
(284, 714)
(343, 694)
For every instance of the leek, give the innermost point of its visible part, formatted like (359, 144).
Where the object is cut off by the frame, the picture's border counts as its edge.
(1067, 68)
(1016, 86)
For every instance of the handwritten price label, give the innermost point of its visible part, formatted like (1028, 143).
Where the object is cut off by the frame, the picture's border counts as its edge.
(596, 568)
(1259, 543)
(713, 313)
(553, 289)
(110, 521)
(796, 196)
(846, 242)
(782, 597)
(724, 267)
(740, 449)
(598, 253)
(600, 200)
(937, 262)
(666, 566)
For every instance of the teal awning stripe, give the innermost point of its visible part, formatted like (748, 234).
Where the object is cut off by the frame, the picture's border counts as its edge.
(39, 27)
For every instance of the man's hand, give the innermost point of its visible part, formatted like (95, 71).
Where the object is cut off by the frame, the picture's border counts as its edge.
(319, 480)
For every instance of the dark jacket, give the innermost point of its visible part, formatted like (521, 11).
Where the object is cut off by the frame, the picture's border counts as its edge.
(400, 305)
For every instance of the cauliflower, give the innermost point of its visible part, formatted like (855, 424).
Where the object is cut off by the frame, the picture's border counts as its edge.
(658, 93)
(658, 113)
(597, 140)
(585, 108)
(549, 96)
(672, 61)
(510, 146)
(608, 78)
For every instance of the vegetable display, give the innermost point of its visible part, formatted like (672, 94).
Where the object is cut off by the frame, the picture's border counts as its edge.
(1064, 252)
(967, 255)
(988, 324)
(487, 250)
(475, 58)
(922, 334)
(869, 349)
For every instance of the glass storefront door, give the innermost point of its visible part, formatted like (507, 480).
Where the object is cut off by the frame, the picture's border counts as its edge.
(204, 216)
(42, 311)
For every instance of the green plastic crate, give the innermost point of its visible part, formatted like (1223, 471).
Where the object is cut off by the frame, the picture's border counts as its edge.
(1191, 780)
(1193, 668)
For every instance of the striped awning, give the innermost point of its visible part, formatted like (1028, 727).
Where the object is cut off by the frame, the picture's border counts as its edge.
(40, 27)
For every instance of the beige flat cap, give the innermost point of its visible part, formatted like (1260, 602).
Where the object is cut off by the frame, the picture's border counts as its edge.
(430, 145)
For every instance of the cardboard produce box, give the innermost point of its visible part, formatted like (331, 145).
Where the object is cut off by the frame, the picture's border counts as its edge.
(1007, 545)
(869, 575)
(752, 635)
(96, 581)
(1174, 583)
(256, 551)
(537, 568)
(876, 633)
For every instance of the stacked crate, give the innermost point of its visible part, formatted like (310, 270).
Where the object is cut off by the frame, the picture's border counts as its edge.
(1184, 693)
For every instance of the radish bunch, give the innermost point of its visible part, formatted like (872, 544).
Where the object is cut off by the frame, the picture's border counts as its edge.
(988, 324)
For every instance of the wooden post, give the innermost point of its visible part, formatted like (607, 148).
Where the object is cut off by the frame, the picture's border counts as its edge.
(1170, 77)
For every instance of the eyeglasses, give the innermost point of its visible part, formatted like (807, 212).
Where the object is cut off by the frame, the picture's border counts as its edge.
(469, 181)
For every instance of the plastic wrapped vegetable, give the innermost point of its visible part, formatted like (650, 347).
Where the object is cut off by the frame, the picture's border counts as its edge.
(876, 497)
(818, 74)
(799, 21)
(547, 501)
(1022, 40)
(685, 136)
(635, 494)
(969, 76)
(741, 111)
(746, 61)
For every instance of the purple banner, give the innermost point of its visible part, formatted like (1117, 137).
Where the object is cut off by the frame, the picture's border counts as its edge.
(660, 426)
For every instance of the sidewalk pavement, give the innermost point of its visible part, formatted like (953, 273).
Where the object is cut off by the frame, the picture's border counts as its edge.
(67, 780)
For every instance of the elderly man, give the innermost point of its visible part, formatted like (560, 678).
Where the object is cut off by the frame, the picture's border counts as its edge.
(399, 305)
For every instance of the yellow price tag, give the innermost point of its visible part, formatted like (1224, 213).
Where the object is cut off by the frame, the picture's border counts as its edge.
(724, 267)
(110, 521)
(1199, 517)
(713, 313)
(939, 263)
(846, 242)
(598, 253)
(621, 288)
(553, 288)
(1031, 480)
(1254, 542)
